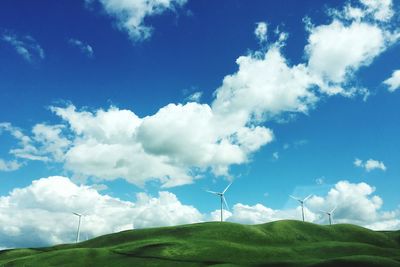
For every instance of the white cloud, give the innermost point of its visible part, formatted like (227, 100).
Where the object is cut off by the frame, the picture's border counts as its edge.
(131, 14)
(50, 141)
(380, 9)
(26, 150)
(336, 50)
(82, 46)
(8, 166)
(160, 146)
(351, 13)
(264, 86)
(374, 164)
(259, 213)
(275, 155)
(370, 164)
(215, 215)
(356, 35)
(356, 204)
(165, 210)
(394, 81)
(45, 144)
(261, 31)
(41, 213)
(195, 97)
(26, 46)
(180, 141)
(358, 162)
(376, 11)
(99, 187)
(320, 180)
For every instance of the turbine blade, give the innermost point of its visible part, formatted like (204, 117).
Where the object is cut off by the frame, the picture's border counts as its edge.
(333, 209)
(223, 192)
(295, 198)
(212, 192)
(77, 214)
(323, 211)
(304, 200)
(226, 204)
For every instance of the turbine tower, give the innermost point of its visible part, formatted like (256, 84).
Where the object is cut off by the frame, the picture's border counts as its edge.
(78, 232)
(301, 201)
(330, 214)
(223, 200)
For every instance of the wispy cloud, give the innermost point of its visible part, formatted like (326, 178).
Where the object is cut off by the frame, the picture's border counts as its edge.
(45, 144)
(9, 166)
(320, 180)
(131, 14)
(261, 31)
(195, 97)
(25, 45)
(85, 48)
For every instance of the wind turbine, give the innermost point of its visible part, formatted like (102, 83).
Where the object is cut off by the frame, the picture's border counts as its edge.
(223, 200)
(329, 213)
(301, 201)
(78, 232)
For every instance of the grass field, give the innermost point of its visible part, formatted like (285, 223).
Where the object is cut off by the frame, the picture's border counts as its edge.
(281, 243)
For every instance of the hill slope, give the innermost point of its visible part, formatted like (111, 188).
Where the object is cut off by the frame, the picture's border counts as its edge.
(281, 243)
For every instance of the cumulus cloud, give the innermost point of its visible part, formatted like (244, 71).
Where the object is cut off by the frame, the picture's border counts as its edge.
(370, 164)
(171, 146)
(166, 210)
(259, 213)
(353, 39)
(131, 14)
(263, 87)
(181, 141)
(394, 81)
(261, 31)
(266, 85)
(356, 204)
(25, 45)
(215, 216)
(41, 213)
(82, 46)
(337, 50)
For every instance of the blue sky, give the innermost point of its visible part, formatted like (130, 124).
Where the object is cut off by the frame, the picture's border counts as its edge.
(123, 100)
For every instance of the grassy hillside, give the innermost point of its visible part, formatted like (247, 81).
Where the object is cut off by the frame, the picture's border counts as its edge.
(281, 243)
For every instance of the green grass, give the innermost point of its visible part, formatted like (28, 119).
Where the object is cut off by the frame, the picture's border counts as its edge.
(281, 243)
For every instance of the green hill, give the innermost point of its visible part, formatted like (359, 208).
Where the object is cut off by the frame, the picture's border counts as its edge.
(281, 243)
